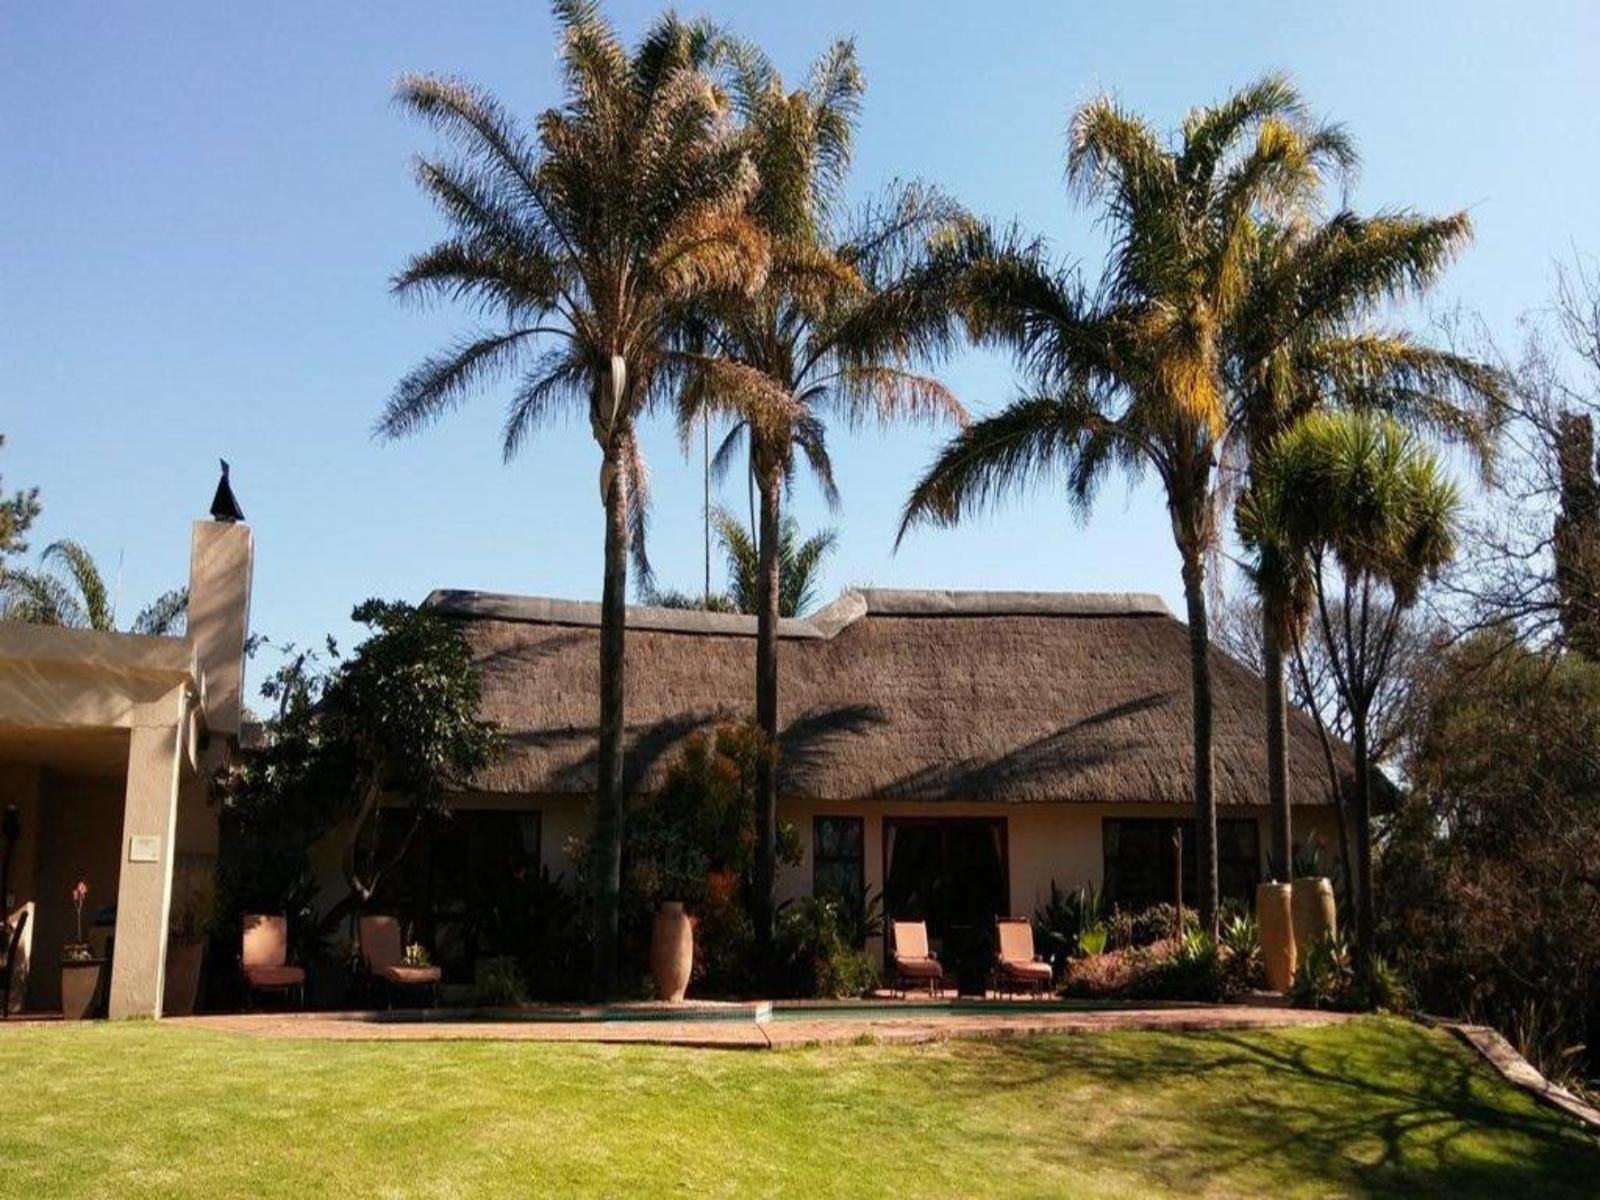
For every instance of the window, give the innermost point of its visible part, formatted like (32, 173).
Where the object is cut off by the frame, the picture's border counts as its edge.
(1141, 860)
(838, 859)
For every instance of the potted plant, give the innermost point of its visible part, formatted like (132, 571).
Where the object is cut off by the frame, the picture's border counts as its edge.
(187, 934)
(81, 971)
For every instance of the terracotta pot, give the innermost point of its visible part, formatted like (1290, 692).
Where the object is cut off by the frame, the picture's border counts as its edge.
(671, 951)
(1274, 917)
(1315, 917)
(184, 959)
(80, 988)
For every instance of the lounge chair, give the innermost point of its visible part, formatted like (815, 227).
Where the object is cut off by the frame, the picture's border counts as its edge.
(383, 952)
(18, 950)
(1016, 966)
(913, 961)
(264, 959)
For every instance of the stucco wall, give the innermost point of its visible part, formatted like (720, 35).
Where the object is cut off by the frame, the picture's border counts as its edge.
(1045, 842)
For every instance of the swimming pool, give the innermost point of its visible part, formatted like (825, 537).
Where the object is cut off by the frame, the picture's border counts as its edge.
(759, 1012)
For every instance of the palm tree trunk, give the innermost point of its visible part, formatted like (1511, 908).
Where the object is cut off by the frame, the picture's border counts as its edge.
(606, 859)
(767, 589)
(1205, 803)
(1366, 909)
(1281, 855)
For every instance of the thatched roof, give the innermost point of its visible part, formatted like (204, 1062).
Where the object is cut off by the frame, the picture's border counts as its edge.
(1015, 696)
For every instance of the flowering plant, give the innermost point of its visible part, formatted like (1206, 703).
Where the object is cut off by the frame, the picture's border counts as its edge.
(416, 955)
(79, 950)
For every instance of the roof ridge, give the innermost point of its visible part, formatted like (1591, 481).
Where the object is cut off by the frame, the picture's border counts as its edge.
(850, 606)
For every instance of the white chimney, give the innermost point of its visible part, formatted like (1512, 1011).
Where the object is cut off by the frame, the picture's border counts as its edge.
(221, 562)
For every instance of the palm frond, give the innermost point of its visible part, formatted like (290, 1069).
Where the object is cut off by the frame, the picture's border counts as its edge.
(800, 568)
(442, 382)
(637, 475)
(559, 378)
(1033, 439)
(165, 616)
(38, 598)
(889, 395)
(92, 599)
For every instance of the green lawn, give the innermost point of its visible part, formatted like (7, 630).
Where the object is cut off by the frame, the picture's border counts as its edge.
(1371, 1108)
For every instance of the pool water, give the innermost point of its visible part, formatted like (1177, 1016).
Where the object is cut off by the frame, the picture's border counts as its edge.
(759, 1012)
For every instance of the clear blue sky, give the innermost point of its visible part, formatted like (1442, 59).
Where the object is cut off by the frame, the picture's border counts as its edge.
(201, 203)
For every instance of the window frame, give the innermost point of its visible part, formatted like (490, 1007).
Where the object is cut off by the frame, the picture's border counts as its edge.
(860, 857)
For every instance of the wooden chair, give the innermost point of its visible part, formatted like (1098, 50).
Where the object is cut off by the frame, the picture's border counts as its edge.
(264, 959)
(383, 951)
(1016, 966)
(14, 972)
(912, 960)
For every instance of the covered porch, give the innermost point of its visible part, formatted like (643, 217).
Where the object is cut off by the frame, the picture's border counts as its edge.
(101, 781)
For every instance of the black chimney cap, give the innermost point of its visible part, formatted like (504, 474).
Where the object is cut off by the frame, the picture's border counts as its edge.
(223, 506)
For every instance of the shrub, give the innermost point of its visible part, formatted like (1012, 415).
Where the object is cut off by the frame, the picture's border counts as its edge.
(1147, 926)
(1186, 968)
(815, 957)
(1324, 977)
(1241, 954)
(499, 984)
(724, 940)
(1061, 925)
(1487, 887)
(1195, 971)
(535, 919)
(1093, 940)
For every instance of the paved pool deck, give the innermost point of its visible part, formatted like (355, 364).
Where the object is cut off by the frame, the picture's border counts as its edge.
(831, 1024)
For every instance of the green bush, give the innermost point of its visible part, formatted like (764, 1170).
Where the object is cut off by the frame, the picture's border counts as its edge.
(1147, 926)
(1061, 925)
(814, 955)
(1324, 977)
(1327, 978)
(499, 984)
(1241, 954)
(1186, 968)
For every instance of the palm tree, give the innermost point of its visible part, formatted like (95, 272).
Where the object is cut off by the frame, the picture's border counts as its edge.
(1356, 494)
(588, 243)
(1131, 375)
(799, 564)
(1302, 342)
(837, 330)
(68, 589)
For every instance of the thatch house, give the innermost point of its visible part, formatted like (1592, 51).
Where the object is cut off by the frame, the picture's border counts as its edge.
(954, 752)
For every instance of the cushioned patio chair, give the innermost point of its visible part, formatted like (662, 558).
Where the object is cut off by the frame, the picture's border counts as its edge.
(264, 959)
(18, 950)
(912, 960)
(1016, 966)
(383, 951)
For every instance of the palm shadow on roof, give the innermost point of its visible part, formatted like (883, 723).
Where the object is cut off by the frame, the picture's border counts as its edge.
(1087, 744)
(804, 743)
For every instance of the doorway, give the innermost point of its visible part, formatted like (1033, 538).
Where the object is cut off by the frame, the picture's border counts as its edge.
(954, 874)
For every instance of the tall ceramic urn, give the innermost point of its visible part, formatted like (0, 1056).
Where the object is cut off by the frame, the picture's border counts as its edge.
(1274, 917)
(1315, 916)
(671, 951)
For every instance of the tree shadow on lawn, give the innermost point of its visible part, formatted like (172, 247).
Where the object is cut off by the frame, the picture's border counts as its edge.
(1384, 1109)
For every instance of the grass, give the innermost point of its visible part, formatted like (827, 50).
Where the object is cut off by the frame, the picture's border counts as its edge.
(1371, 1108)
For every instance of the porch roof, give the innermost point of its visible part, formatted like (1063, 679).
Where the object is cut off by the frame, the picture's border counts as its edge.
(56, 681)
